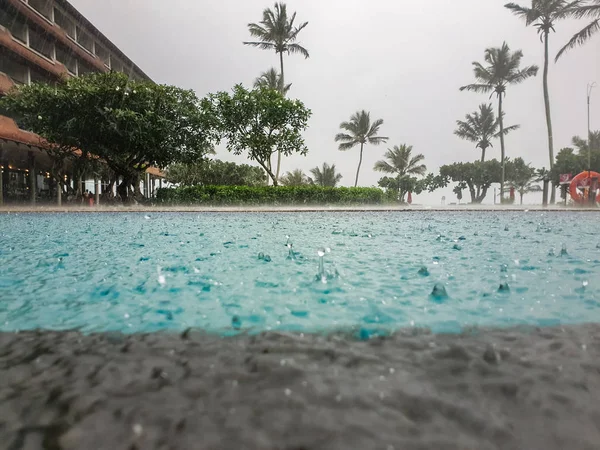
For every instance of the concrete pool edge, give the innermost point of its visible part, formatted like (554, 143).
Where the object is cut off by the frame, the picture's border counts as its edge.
(497, 389)
(283, 209)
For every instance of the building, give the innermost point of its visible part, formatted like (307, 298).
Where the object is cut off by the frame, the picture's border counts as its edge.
(45, 41)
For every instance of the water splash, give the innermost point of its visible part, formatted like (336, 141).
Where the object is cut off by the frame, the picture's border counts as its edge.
(439, 292)
(504, 287)
(563, 250)
(424, 271)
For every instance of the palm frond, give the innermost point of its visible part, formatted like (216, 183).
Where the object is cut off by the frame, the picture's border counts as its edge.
(343, 137)
(297, 48)
(347, 145)
(580, 38)
(261, 45)
(479, 88)
(383, 166)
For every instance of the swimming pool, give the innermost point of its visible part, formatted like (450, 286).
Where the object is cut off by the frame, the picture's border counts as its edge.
(235, 272)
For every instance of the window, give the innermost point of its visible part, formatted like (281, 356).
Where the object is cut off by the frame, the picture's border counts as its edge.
(39, 77)
(16, 71)
(41, 44)
(84, 68)
(116, 65)
(44, 7)
(15, 25)
(103, 54)
(64, 22)
(85, 40)
(67, 58)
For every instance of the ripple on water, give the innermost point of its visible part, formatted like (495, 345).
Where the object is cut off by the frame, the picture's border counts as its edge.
(383, 268)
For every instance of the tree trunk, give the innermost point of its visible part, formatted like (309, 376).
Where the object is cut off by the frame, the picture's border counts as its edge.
(502, 149)
(123, 190)
(359, 164)
(521, 195)
(548, 115)
(282, 93)
(483, 154)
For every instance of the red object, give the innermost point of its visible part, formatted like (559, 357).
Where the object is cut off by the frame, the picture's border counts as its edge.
(410, 198)
(512, 193)
(91, 201)
(583, 179)
(565, 178)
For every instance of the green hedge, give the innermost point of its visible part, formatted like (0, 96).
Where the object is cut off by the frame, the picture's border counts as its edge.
(269, 195)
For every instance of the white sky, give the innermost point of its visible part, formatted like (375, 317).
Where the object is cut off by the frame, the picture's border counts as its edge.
(402, 60)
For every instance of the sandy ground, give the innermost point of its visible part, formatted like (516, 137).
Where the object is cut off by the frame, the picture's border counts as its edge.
(488, 389)
(283, 208)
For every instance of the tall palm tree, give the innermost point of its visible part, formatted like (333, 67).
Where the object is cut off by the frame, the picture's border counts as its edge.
(272, 80)
(502, 70)
(296, 178)
(481, 127)
(400, 162)
(543, 14)
(589, 10)
(359, 130)
(276, 31)
(326, 176)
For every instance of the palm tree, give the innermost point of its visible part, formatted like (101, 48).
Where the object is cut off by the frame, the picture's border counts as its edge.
(296, 178)
(326, 176)
(272, 80)
(360, 131)
(277, 32)
(502, 70)
(481, 127)
(400, 162)
(583, 11)
(543, 14)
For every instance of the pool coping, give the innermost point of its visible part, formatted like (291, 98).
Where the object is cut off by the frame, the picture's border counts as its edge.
(282, 209)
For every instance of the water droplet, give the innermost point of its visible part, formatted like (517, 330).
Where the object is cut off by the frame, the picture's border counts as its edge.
(506, 228)
(439, 291)
(504, 287)
(267, 258)
(584, 347)
(563, 250)
(504, 268)
(423, 271)
(126, 316)
(137, 429)
(321, 252)
(551, 252)
(585, 283)
(456, 247)
(147, 217)
(236, 322)
(392, 370)
(338, 398)
(288, 392)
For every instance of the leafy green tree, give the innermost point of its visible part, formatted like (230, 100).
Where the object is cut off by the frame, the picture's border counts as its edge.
(296, 178)
(216, 173)
(543, 14)
(277, 32)
(272, 80)
(359, 130)
(521, 177)
(481, 127)
(130, 125)
(502, 69)
(584, 10)
(476, 177)
(326, 176)
(574, 161)
(261, 122)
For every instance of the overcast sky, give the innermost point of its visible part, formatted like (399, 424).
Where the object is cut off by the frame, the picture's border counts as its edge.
(401, 60)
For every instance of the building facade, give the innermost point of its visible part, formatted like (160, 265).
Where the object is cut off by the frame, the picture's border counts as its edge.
(46, 41)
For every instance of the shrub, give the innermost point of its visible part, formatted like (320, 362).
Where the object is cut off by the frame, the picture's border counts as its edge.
(269, 195)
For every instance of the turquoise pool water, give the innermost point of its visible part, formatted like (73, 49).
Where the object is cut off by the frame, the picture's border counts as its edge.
(146, 272)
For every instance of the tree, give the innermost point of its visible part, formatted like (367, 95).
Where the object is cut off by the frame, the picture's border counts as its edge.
(296, 178)
(574, 162)
(543, 14)
(589, 10)
(521, 177)
(326, 176)
(272, 80)
(481, 127)
(502, 70)
(277, 32)
(476, 177)
(260, 122)
(130, 125)
(359, 130)
(216, 173)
